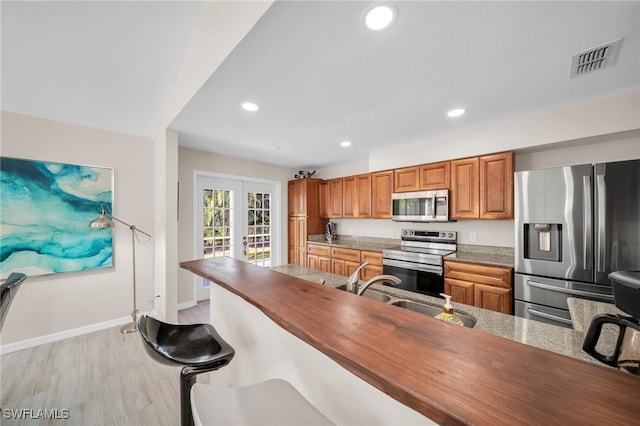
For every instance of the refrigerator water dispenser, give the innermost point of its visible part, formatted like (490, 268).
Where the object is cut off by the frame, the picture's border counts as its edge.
(543, 241)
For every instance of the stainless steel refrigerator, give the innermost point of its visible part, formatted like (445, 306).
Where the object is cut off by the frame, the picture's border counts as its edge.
(574, 226)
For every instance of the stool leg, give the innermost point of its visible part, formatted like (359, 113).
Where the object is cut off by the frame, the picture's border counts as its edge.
(187, 379)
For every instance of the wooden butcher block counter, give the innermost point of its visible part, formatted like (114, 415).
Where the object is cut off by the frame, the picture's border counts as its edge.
(450, 374)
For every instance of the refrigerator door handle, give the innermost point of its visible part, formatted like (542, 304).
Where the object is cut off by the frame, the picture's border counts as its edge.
(571, 291)
(601, 226)
(541, 314)
(587, 216)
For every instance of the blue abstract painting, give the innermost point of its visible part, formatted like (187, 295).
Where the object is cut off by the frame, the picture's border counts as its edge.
(45, 212)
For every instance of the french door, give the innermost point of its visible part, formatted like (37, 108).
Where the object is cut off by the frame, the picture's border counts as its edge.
(234, 218)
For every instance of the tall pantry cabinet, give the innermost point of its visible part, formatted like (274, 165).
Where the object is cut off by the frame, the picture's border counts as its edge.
(304, 217)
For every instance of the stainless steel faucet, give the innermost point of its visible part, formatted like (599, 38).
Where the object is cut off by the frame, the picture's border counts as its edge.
(378, 279)
(352, 282)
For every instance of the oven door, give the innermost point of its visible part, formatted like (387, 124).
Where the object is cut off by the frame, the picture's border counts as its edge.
(416, 277)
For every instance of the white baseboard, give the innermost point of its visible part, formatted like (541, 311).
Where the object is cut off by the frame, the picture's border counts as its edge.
(186, 305)
(50, 338)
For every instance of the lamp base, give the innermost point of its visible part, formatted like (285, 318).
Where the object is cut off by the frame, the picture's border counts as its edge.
(132, 327)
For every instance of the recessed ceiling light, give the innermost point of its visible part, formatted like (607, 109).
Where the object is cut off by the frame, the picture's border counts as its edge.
(274, 147)
(250, 106)
(379, 17)
(345, 144)
(456, 112)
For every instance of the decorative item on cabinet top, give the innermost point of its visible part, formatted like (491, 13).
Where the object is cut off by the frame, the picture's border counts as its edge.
(302, 174)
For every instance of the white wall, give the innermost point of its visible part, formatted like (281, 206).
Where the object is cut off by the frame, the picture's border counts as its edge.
(190, 160)
(220, 27)
(598, 149)
(57, 303)
(605, 116)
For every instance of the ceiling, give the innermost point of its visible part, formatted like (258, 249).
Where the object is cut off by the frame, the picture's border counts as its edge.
(108, 65)
(318, 74)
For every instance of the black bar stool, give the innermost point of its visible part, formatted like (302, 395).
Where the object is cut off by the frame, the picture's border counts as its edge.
(198, 347)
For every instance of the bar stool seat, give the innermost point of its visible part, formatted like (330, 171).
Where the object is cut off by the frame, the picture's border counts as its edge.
(272, 402)
(196, 347)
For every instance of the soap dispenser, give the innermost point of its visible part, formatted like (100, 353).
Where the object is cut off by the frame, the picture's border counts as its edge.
(447, 314)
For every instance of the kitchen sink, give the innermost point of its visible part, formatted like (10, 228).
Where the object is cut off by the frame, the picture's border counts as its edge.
(370, 294)
(420, 307)
(431, 310)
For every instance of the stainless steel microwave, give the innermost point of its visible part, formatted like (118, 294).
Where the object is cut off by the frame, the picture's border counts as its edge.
(423, 206)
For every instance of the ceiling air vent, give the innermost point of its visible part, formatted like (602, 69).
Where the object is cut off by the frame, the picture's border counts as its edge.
(594, 59)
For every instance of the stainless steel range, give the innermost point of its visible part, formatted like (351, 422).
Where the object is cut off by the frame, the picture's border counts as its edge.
(418, 261)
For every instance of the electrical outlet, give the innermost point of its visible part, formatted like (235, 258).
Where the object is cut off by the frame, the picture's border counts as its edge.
(473, 237)
(391, 232)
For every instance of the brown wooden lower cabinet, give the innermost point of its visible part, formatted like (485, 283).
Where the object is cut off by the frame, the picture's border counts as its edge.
(488, 287)
(375, 264)
(319, 257)
(343, 261)
(460, 291)
(492, 298)
(320, 263)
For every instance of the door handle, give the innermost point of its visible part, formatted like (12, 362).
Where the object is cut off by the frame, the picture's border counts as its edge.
(587, 216)
(587, 294)
(434, 206)
(601, 235)
(244, 244)
(549, 316)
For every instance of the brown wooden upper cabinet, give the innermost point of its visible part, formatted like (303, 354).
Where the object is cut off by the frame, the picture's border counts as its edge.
(335, 198)
(435, 176)
(297, 193)
(381, 189)
(406, 179)
(496, 186)
(330, 192)
(422, 178)
(356, 193)
(482, 187)
(465, 189)
(323, 202)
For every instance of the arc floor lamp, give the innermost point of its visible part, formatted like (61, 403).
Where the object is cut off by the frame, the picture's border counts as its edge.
(105, 220)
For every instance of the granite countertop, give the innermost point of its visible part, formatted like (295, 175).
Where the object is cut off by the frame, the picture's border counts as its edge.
(545, 336)
(357, 243)
(582, 312)
(483, 255)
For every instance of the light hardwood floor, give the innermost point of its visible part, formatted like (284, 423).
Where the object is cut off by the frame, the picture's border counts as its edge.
(102, 378)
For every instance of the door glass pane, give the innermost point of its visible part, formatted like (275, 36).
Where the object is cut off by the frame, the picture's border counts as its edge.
(259, 235)
(217, 227)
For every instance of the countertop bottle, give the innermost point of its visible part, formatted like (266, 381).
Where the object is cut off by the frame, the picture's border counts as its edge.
(447, 314)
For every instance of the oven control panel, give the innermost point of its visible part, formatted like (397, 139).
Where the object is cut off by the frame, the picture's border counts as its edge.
(433, 236)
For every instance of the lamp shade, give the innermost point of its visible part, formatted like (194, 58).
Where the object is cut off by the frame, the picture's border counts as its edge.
(102, 222)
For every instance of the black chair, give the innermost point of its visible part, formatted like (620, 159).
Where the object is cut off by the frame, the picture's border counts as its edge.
(198, 347)
(8, 291)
